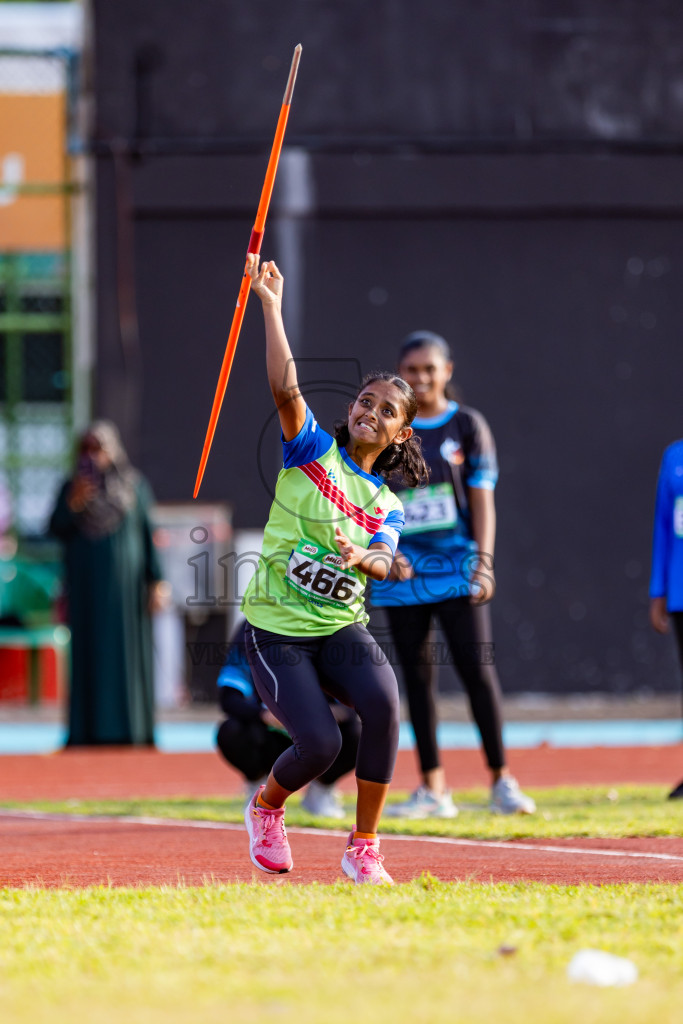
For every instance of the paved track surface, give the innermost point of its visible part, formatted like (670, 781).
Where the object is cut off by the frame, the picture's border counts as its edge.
(53, 850)
(91, 773)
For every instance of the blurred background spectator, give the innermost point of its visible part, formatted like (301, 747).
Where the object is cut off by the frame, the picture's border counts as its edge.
(113, 583)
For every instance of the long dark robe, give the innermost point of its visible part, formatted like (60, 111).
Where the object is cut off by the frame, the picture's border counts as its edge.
(107, 581)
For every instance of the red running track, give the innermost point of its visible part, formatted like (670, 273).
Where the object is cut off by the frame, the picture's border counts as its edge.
(111, 773)
(53, 851)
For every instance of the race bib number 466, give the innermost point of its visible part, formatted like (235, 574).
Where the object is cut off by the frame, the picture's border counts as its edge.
(315, 572)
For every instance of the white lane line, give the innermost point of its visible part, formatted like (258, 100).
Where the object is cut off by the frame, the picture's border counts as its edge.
(226, 826)
(513, 845)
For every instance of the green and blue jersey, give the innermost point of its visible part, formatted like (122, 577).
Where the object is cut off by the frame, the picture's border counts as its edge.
(300, 587)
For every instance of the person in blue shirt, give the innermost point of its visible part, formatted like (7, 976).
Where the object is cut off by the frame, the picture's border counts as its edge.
(251, 739)
(443, 572)
(666, 579)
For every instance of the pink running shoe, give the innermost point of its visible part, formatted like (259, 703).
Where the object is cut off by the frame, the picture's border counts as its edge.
(362, 862)
(268, 846)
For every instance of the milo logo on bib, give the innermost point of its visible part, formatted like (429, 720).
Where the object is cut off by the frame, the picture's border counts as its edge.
(317, 574)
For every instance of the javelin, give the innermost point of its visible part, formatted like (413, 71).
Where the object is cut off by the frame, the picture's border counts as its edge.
(254, 247)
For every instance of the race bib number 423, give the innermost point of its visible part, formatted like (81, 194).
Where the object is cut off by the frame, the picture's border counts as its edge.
(315, 572)
(429, 508)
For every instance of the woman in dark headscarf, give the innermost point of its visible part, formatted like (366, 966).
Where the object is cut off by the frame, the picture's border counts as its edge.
(113, 582)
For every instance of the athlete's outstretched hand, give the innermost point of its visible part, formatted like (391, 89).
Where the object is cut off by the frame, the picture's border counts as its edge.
(267, 281)
(351, 553)
(374, 561)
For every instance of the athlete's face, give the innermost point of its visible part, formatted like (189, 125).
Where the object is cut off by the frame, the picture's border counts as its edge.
(377, 417)
(428, 372)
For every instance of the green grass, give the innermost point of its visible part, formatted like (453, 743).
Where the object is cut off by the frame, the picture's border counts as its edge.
(426, 951)
(575, 811)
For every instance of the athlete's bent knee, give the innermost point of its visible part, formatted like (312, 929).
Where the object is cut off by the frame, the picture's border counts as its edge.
(381, 710)
(319, 752)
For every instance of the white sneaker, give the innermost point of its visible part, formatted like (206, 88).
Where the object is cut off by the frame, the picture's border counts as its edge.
(507, 798)
(323, 801)
(424, 804)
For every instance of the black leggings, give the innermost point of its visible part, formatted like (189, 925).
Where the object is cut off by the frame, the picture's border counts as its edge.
(292, 676)
(467, 628)
(252, 748)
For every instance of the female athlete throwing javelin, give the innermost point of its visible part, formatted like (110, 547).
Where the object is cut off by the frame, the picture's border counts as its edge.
(333, 523)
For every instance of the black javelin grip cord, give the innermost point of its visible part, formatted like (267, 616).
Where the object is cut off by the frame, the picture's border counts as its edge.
(254, 247)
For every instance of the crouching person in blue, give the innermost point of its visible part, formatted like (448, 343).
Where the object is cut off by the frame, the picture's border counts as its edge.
(251, 739)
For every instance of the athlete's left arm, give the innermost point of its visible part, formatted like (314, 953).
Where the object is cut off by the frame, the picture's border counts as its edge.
(374, 561)
(483, 523)
(481, 474)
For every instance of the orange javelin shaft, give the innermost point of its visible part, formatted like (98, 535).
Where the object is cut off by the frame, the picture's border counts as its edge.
(254, 247)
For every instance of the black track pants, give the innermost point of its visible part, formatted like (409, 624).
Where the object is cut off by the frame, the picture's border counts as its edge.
(292, 676)
(467, 628)
(252, 748)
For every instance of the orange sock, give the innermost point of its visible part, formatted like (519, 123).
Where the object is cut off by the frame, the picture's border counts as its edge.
(364, 835)
(260, 802)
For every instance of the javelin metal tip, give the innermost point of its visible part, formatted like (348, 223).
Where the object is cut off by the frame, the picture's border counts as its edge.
(287, 98)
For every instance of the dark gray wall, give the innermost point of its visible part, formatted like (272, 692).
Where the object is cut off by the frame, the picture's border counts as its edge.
(443, 71)
(510, 180)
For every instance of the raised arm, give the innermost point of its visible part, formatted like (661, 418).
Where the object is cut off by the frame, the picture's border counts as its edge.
(267, 283)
